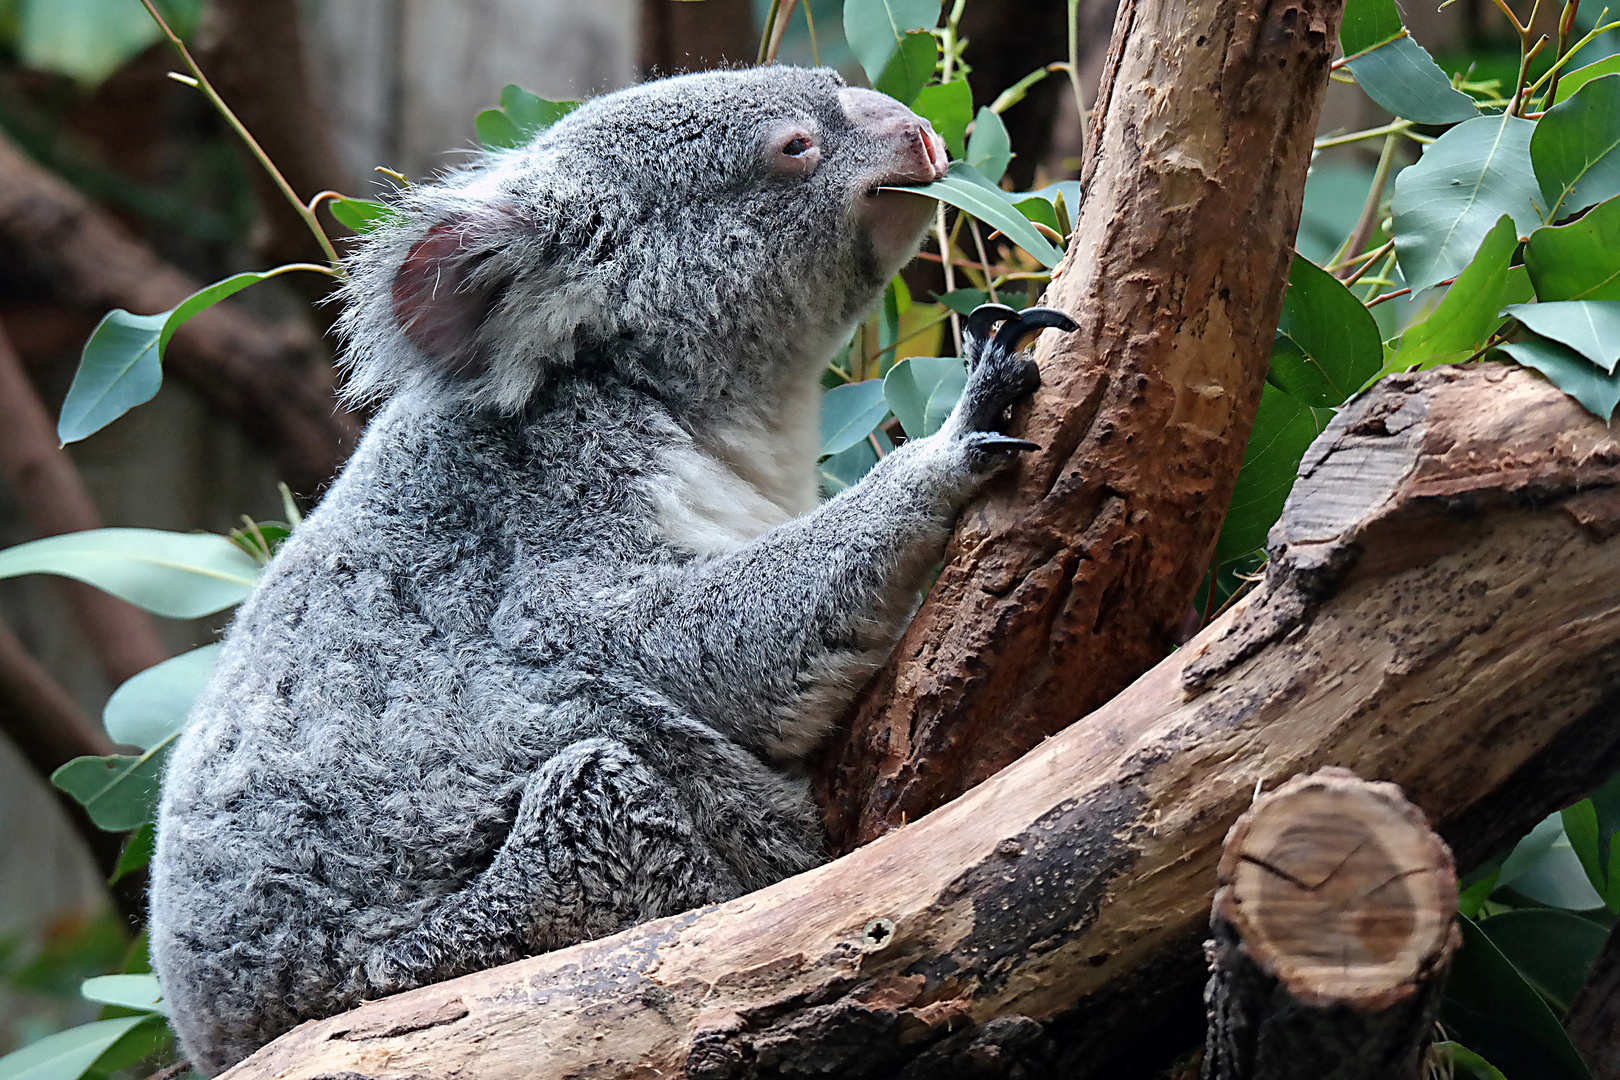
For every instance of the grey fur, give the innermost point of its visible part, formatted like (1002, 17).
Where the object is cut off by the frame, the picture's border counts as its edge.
(541, 663)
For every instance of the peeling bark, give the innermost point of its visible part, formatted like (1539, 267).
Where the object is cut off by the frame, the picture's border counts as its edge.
(1070, 580)
(1463, 643)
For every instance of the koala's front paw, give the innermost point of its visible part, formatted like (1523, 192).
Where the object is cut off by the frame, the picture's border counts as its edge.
(999, 374)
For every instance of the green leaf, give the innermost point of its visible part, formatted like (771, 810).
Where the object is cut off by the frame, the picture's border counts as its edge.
(137, 852)
(966, 189)
(151, 706)
(1572, 81)
(843, 470)
(1576, 148)
(68, 1054)
(1283, 429)
(531, 114)
(1369, 23)
(989, 148)
(126, 991)
(1465, 1063)
(360, 215)
(86, 40)
(1064, 195)
(1467, 314)
(495, 130)
(1490, 1008)
(1571, 372)
(1327, 341)
(949, 108)
(1455, 194)
(849, 413)
(119, 791)
(1531, 849)
(1552, 949)
(875, 29)
(1038, 209)
(122, 362)
(963, 301)
(910, 68)
(177, 575)
(1578, 261)
(1581, 827)
(922, 391)
(896, 302)
(1590, 327)
(1401, 76)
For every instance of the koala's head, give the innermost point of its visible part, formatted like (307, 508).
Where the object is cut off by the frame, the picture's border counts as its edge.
(685, 233)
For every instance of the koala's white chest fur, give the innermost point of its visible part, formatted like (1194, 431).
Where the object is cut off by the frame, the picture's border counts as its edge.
(736, 483)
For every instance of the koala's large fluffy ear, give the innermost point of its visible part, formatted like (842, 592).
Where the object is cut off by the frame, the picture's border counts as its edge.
(445, 289)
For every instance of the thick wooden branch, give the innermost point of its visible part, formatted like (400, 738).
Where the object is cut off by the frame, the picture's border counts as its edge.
(1332, 928)
(1442, 612)
(260, 377)
(53, 498)
(1593, 1021)
(1075, 577)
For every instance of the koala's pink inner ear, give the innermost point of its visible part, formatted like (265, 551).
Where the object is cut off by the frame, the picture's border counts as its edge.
(437, 308)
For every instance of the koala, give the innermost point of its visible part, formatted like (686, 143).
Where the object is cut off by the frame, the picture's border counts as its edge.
(544, 660)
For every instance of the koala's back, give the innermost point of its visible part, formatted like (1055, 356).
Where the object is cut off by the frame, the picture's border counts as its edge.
(383, 697)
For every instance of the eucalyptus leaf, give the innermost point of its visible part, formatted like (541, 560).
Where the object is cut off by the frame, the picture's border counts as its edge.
(922, 390)
(1455, 194)
(1576, 148)
(86, 40)
(1578, 261)
(1468, 312)
(1368, 24)
(1283, 429)
(360, 215)
(1489, 1007)
(1552, 949)
(520, 118)
(989, 148)
(1571, 372)
(1572, 81)
(1401, 76)
(843, 470)
(68, 1054)
(137, 852)
(875, 29)
(121, 366)
(177, 575)
(495, 130)
(1327, 342)
(151, 706)
(849, 413)
(910, 68)
(949, 108)
(1590, 327)
(126, 992)
(118, 791)
(966, 189)
(1465, 1063)
(963, 301)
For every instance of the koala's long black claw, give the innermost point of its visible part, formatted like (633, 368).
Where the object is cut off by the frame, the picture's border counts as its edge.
(1015, 334)
(1004, 442)
(976, 329)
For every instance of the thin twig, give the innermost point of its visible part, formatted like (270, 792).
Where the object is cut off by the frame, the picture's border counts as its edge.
(1370, 215)
(784, 15)
(984, 261)
(1372, 257)
(950, 272)
(1359, 136)
(253, 146)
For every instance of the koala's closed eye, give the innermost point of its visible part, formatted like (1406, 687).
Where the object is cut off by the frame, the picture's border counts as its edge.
(794, 151)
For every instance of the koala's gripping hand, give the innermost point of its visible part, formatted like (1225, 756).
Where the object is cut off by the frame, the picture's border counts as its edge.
(999, 376)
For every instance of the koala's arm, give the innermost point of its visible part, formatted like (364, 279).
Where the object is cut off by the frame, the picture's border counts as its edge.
(769, 642)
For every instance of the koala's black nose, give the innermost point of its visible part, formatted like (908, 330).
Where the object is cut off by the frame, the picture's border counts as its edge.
(919, 154)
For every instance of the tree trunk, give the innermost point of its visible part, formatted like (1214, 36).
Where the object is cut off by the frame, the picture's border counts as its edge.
(1593, 1021)
(1442, 611)
(1332, 929)
(1074, 578)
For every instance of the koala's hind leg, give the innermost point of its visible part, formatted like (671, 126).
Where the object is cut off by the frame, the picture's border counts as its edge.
(599, 843)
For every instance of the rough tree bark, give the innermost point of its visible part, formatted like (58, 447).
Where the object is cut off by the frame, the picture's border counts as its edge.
(1065, 584)
(1442, 611)
(259, 376)
(54, 500)
(1332, 928)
